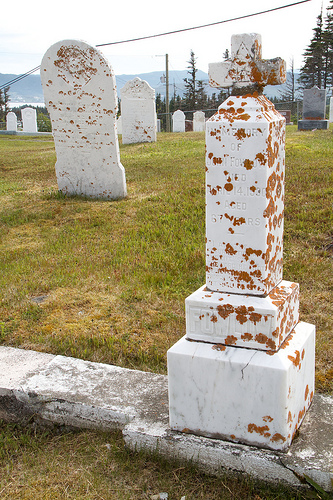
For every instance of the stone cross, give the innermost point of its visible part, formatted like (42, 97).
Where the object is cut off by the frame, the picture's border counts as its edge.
(247, 72)
(80, 93)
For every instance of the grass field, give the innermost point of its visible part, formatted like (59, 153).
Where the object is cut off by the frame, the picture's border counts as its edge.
(106, 281)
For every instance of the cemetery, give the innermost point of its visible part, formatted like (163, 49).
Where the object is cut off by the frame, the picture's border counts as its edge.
(174, 288)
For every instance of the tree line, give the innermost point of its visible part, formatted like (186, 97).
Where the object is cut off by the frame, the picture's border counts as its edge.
(316, 70)
(318, 56)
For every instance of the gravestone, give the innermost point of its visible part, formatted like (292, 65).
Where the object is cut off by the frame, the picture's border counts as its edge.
(199, 121)
(138, 111)
(286, 113)
(331, 110)
(80, 94)
(314, 110)
(11, 122)
(119, 125)
(29, 119)
(244, 371)
(178, 121)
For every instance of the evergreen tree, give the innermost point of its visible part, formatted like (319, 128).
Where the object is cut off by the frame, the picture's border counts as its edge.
(290, 91)
(328, 44)
(190, 95)
(4, 100)
(312, 70)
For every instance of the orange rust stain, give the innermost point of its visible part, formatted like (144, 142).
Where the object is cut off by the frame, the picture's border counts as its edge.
(295, 360)
(267, 418)
(278, 437)
(230, 250)
(248, 164)
(255, 317)
(225, 310)
(240, 134)
(301, 415)
(271, 344)
(219, 347)
(247, 336)
(290, 418)
(213, 318)
(233, 436)
(306, 392)
(230, 340)
(260, 338)
(228, 187)
(261, 158)
(263, 430)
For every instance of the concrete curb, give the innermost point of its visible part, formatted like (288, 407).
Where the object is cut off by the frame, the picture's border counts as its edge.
(71, 392)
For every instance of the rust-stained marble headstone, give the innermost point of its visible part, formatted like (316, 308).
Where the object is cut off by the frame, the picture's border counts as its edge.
(80, 94)
(138, 112)
(245, 369)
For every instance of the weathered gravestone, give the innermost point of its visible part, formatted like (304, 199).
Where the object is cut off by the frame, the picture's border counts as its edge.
(314, 110)
(178, 121)
(29, 119)
(11, 122)
(198, 121)
(119, 125)
(80, 94)
(244, 372)
(286, 113)
(138, 111)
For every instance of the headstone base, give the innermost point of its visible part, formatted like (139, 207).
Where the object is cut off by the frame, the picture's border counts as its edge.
(313, 124)
(242, 395)
(243, 320)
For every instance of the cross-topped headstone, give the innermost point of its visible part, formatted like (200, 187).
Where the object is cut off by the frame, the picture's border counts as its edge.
(247, 72)
(248, 373)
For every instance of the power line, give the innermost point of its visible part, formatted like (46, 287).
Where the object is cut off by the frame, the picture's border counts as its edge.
(204, 25)
(15, 80)
(20, 77)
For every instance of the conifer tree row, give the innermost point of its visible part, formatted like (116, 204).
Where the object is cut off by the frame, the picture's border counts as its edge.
(318, 56)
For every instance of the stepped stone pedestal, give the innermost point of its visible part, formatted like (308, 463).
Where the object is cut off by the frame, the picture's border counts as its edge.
(245, 369)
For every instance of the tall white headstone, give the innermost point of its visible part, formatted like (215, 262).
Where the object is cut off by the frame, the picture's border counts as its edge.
(258, 395)
(11, 122)
(138, 111)
(29, 118)
(80, 94)
(199, 121)
(178, 121)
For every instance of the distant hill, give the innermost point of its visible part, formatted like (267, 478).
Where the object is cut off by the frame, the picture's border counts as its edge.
(29, 89)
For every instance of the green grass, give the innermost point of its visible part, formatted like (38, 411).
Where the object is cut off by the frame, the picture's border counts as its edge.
(114, 277)
(61, 465)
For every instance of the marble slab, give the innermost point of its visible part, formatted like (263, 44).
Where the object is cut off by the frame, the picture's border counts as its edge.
(243, 320)
(80, 94)
(242, 395)
(245, 164)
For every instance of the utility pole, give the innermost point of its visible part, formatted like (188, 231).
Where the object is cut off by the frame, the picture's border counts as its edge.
(167, 109)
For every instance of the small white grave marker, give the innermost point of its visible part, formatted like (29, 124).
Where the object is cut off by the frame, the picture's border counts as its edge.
(198, 121)
(29, 118)
(80, 94)
(138, 111)
(11, 122)
(258, 395)
(178, 121)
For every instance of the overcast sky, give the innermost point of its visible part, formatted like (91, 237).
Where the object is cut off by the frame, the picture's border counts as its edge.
(29, 28)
